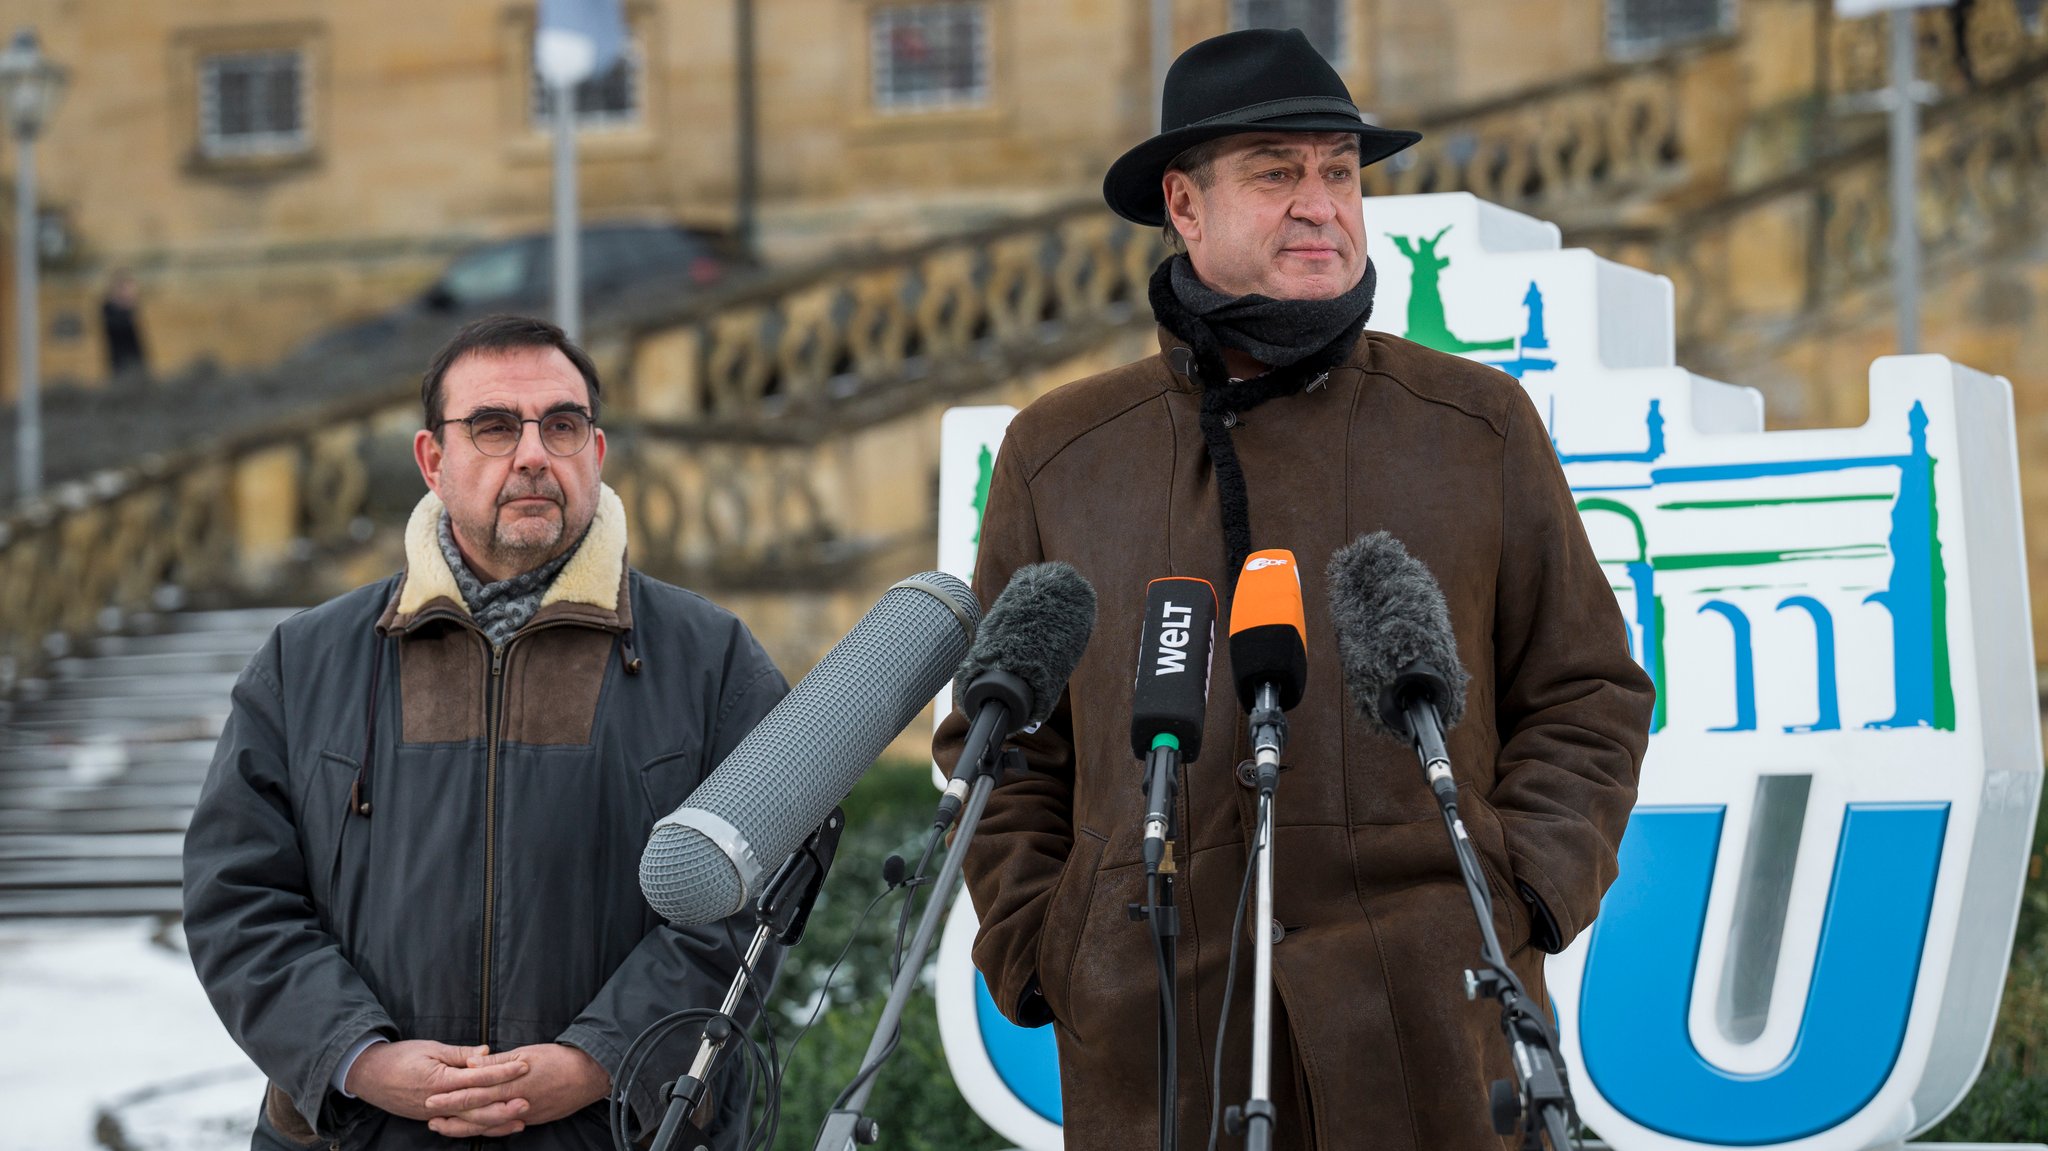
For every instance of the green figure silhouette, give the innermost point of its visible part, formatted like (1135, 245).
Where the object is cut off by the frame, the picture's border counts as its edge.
(987, 463)
(1426, 323)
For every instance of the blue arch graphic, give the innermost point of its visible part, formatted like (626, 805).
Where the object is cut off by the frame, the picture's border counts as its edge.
(1830, 705)
(1745, 665)
(1645, 948)
(1026, 1058)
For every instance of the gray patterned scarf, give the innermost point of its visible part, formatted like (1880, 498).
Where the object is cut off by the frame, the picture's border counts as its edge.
(502, 608)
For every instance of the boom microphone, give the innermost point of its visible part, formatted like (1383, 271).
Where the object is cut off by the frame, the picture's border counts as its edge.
(1395, 642)
(1027, 647)
(708, 858)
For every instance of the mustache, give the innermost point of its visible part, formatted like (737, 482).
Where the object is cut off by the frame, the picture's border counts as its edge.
(520, 488)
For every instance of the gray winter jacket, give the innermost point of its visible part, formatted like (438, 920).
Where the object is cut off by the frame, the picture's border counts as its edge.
(408, 833)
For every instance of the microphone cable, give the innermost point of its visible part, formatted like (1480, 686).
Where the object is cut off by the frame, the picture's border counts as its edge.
(1168, 1016)
(762, 1067)
(1244, 891)
(916, 880)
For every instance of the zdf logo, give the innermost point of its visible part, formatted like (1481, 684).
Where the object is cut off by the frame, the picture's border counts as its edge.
(1264, 562)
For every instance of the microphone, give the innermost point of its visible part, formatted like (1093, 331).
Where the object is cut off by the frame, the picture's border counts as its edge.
(1269, 650)
(1399, 655)
(1400, 660)
(706, 859)
(1172, 693)
(1029, 644)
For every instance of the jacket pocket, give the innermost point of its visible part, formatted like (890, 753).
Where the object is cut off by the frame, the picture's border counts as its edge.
(1510, 918)
(668, 779)
(326, 813)
(284, 1119)
(1066, 917)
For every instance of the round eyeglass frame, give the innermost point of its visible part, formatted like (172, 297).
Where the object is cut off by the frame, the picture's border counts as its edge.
(469, 425)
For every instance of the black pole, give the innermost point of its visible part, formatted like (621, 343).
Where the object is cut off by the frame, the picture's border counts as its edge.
(747, 227)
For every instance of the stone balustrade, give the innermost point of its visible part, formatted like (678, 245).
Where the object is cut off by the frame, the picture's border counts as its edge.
(724, 409)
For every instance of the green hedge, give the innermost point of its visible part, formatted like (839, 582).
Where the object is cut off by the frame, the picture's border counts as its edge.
(915, 1101)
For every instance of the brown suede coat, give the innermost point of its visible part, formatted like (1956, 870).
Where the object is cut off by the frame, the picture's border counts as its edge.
(1376, 1046)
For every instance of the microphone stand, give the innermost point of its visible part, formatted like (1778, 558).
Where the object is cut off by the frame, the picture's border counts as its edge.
(1539, 1101)
(846, 1125)
(780, 914)
(1269, 739)
(1162, 780)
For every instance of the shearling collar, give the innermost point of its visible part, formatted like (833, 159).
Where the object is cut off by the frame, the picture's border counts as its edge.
(590, 588)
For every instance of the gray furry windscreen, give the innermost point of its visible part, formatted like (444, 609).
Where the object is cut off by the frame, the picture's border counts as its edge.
(1036, 630)
(1389, 614)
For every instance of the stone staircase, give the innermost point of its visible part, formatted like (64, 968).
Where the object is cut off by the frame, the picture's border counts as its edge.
(101, 760)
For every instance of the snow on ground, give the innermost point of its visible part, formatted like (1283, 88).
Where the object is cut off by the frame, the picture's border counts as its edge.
(106, 1016)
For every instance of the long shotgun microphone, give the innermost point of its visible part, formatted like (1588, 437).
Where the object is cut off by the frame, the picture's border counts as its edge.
(1269, 650)
(1399, 654)
(707, 858)
(1028, 646)
(1171, 697)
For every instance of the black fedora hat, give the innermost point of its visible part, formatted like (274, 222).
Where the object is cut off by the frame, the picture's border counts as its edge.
(1257, 80)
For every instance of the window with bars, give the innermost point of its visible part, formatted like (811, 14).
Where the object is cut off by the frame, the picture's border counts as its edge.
(929, 56)
(1638, 28)
(253, 104)
(609, 99)
(1322, 21)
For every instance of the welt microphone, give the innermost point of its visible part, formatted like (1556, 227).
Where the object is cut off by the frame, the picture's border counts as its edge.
(1172, 693)
(1268, 650)
(1399, 654)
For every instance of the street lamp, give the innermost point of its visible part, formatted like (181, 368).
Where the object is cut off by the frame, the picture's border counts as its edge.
(30, 86)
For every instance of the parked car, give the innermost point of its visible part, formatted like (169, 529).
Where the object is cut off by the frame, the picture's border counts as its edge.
(518, 275)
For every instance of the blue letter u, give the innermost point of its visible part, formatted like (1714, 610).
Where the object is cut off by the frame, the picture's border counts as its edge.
(1645, 948)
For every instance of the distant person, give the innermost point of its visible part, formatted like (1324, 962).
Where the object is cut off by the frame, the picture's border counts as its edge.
(125, 355)
(1961, 13)
(412, 881)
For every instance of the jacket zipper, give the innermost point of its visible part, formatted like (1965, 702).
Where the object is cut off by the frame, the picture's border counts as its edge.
(492, 720)
(493, 725)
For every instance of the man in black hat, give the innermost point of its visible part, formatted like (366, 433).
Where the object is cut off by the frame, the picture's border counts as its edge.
(1272, 419)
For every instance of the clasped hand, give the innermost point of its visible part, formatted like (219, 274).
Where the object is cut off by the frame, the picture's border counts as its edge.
(466, 1092)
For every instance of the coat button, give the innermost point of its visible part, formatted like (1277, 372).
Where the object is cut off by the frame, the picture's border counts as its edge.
(1248, 774)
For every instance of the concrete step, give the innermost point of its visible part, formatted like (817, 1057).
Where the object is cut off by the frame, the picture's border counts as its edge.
(145, 845)
(40, 903)
(174, 774)
(179, 643)
(121, 728)
(228, 663)
(108, 797)
(91, 823)
(213, 705)
(248, 619)
(96, 758)
(117, 871)
(188, 683)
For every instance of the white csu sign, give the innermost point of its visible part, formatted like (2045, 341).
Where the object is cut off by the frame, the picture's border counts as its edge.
(1821, 879)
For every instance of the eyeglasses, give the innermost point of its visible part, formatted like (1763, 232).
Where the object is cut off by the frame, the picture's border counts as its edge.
(562, 433)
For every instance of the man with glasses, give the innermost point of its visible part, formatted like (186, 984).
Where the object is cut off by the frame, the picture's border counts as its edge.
(412, 878)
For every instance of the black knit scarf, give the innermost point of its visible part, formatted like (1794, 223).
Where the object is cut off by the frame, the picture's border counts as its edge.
(1299, 340)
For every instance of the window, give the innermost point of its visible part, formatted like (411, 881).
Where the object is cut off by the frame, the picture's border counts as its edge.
(1322, 21)
(253, 104)
(609, 99)
(929, 56)
(1638, 28)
